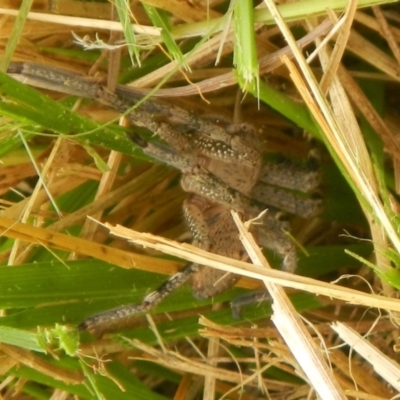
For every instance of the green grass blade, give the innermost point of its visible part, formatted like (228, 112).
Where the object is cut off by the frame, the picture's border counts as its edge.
(123, 10)
(18, 337)
(16, 33)
(161, 19)
(245, 51)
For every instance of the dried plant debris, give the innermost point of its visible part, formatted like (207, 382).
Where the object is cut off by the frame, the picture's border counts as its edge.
(182, 139)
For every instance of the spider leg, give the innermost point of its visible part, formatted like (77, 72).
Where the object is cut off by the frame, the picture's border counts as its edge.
(183, 121)
(255, 297)
(285, 184)
(273, 235)
(163, 153)
(98, 323)
(205, 184)
(290, 175)
(285, 200)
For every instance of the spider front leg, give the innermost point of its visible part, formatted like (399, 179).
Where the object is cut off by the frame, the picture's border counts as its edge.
(109, 320)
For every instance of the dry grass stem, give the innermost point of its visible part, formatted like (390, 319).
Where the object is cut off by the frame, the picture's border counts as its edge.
(385, 367)
(195, 255)
(291, 327)
(83, 22)
(28, 358)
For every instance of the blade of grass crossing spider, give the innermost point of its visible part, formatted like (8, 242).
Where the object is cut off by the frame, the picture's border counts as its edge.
(161, 19)
(245, 51)
(16, 33)
(123, 10)
(34, 391)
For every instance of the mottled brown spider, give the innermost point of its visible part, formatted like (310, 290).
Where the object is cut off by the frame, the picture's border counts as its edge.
(223, 169)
